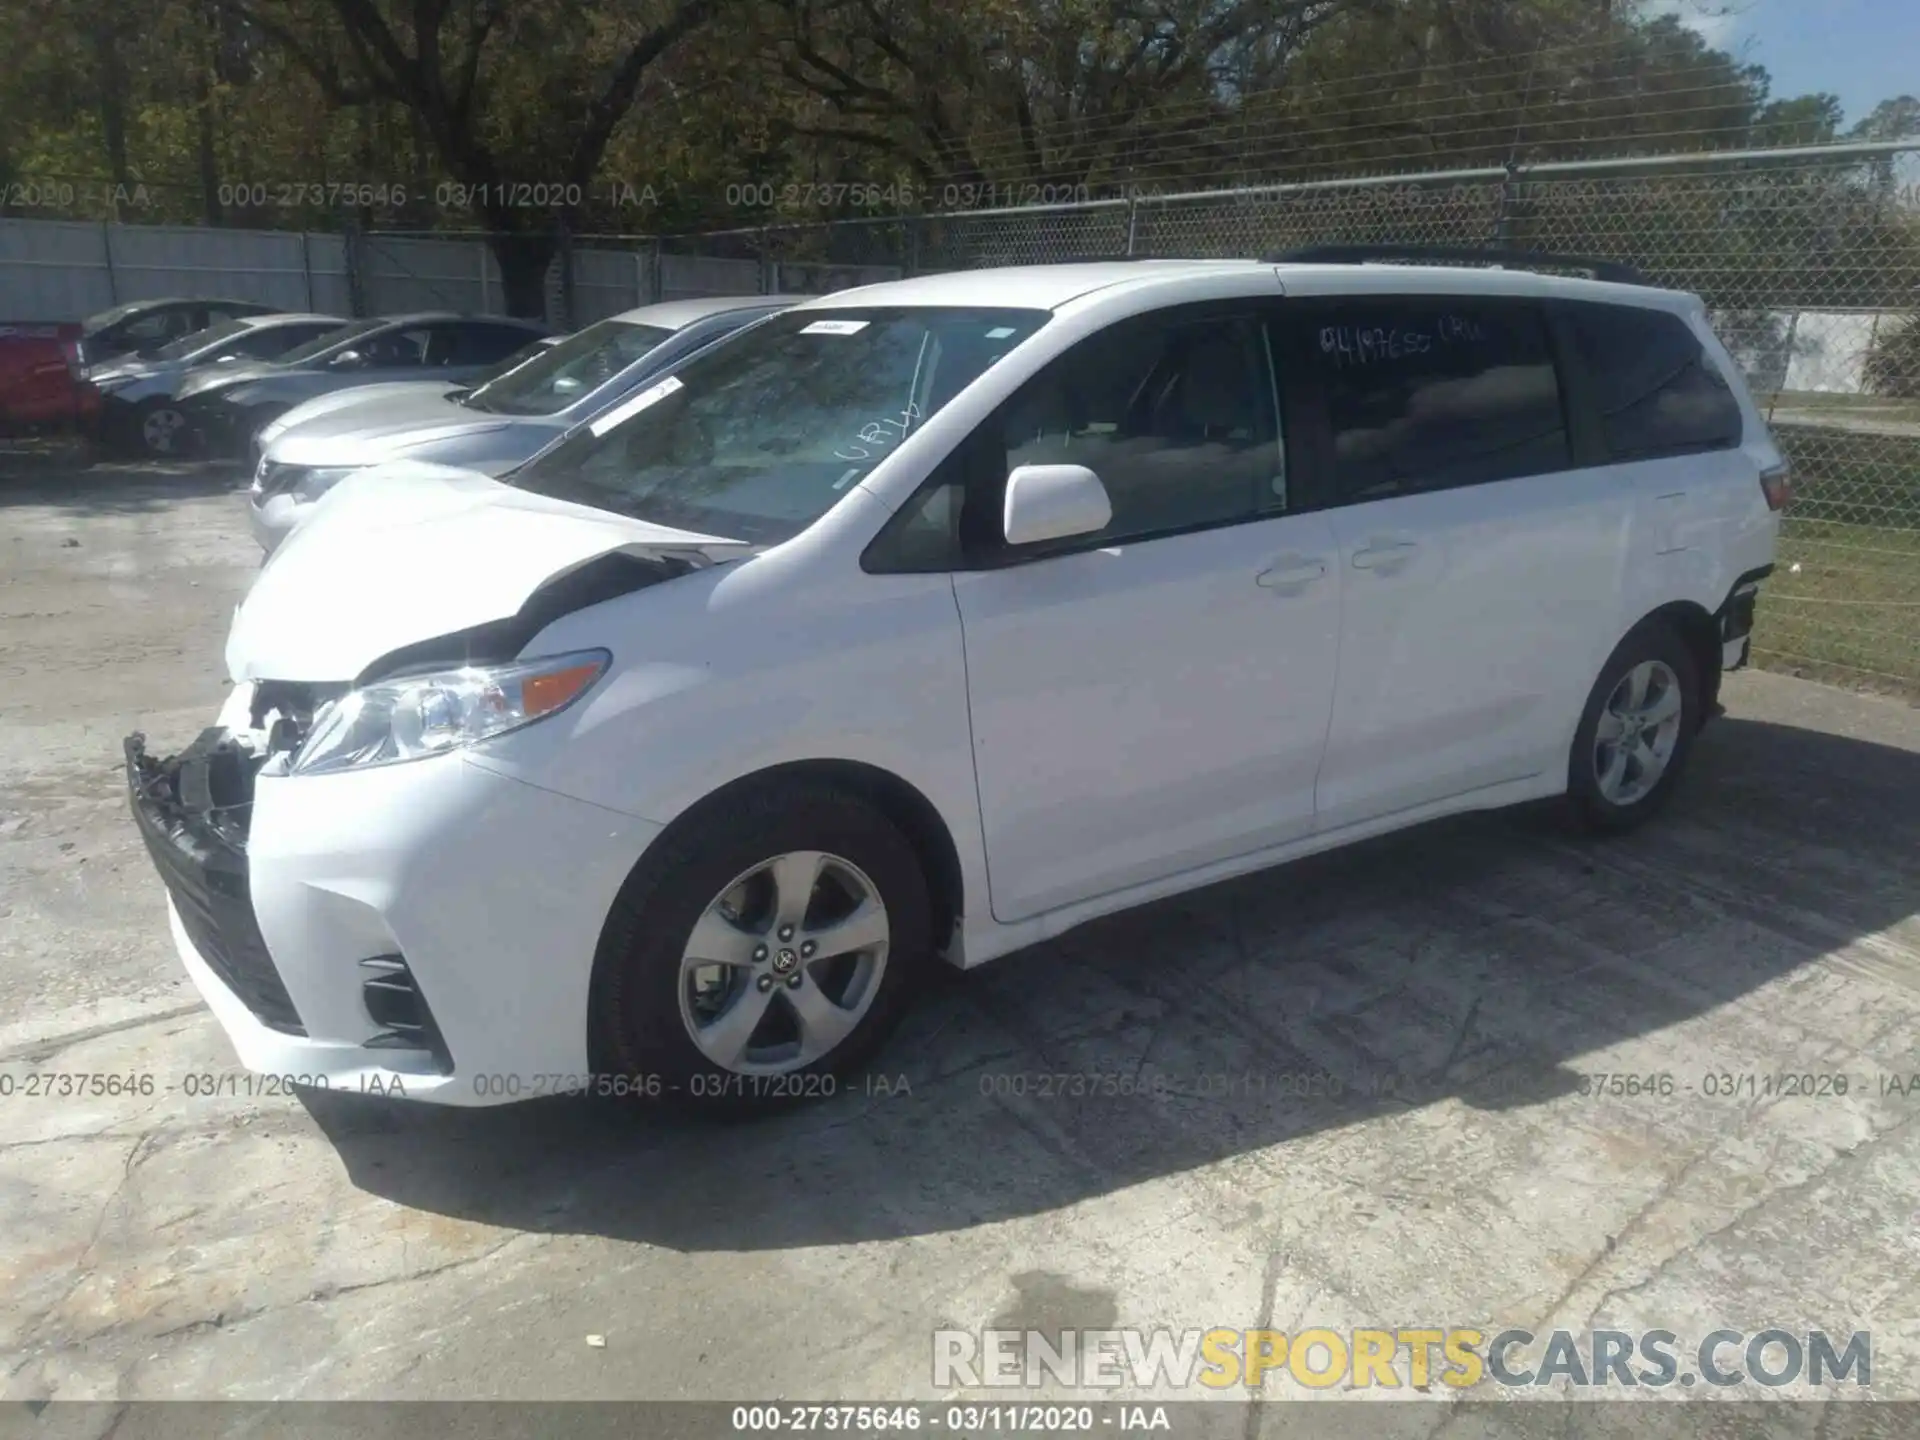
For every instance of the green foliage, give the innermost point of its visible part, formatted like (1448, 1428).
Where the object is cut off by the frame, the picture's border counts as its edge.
(1893, 365)
(650, 115)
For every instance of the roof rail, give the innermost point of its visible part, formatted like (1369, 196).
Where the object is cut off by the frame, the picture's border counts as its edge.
(1611, 270)
(1082, 257)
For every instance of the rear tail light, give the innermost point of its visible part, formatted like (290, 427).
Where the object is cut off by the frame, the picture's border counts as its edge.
(1777, 482)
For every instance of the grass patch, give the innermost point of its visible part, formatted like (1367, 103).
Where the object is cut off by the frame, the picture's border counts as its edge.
(1818, 401)
(1844, 603)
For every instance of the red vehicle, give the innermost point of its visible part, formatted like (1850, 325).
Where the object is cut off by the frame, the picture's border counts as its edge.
(41, 386)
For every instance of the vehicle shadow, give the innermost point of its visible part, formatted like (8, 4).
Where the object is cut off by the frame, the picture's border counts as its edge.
(90, 481)
(1476, 959)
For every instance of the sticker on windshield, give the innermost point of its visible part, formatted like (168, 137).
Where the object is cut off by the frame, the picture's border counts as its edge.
(652, 395)
(834, 327)
(1000, 332)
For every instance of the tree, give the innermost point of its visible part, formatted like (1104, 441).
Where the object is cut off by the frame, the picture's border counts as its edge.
(1895, 119)
(1893, 365)
(517, 98)
(1060, 94)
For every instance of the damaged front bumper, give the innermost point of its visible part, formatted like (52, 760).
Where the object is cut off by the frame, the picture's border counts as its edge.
(392, 931)
(192, 811)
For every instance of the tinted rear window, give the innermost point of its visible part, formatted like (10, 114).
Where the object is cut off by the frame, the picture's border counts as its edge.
(1429, 393)
(1657, 390)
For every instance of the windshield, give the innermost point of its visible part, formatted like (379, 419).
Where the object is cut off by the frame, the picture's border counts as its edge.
(320, 344)
(756, 439)
(569, 371)
(93, 324)
(200, 339)
(512, 362)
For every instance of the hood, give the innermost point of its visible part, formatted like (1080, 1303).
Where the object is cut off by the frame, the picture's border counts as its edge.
(338, 399)
(409, 552)
(221, 377)
(128, 370)
(368, 427)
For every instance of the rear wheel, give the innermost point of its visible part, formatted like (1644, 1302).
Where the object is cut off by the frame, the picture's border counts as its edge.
(764, 954)
(1636, 732)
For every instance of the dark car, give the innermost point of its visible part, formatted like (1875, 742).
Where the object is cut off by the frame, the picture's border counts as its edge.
(141, 327)
(137, 408)
(225, 406)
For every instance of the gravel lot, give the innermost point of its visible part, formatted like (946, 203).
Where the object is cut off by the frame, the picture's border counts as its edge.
(319, 1246)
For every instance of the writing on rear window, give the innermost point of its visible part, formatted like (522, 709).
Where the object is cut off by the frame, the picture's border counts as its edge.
(1350, 345)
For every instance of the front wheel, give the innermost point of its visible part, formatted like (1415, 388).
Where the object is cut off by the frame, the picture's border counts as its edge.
(1636, 732)
(162, 428)
(764, 954)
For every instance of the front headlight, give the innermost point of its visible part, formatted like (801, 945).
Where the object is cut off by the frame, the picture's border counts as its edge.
(107, 384)
(412, 717)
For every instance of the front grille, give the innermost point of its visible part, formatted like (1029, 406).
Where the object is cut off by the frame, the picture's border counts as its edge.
(192, 812)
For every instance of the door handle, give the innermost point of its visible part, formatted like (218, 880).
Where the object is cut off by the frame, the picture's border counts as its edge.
(1384, 555)
(1290, 572)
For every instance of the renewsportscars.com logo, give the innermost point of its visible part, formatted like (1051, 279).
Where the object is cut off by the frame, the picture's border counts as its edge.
(1411, 1358)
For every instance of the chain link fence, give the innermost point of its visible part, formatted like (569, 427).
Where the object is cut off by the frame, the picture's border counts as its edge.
(1808, 259)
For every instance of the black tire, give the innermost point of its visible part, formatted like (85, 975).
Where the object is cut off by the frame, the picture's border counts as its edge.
(181, 431)
(1593, 811)
(639, 1044)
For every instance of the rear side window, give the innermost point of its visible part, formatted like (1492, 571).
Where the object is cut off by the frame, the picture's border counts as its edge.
(1431, 393)
(1657, 391)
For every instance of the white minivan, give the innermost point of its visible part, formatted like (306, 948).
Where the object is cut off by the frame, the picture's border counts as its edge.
(926, 620)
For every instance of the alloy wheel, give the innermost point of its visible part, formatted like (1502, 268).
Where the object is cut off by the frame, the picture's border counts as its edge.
(1638, 730)
(784, 963)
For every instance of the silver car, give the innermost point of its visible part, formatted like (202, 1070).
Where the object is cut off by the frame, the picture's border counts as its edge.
(337, 400)
(491, 428)
(138, 404)
(227, 406)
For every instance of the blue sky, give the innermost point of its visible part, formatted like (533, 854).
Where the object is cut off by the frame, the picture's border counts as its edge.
(1864, 51)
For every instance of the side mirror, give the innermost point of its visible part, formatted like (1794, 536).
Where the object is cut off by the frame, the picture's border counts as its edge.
(1054, 502)
(347, 360)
